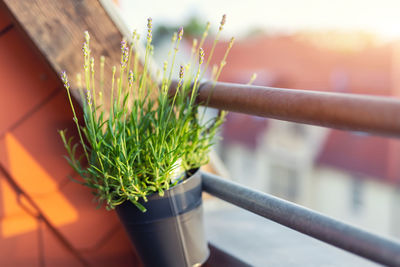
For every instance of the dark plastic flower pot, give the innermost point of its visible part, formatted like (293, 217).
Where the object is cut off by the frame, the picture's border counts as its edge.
(171, 231)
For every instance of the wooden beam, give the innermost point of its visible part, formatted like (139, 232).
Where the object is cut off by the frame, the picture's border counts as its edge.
(57, 29)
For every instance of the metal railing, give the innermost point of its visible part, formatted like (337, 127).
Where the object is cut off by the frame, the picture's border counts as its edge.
(304, 220)
(371, 114)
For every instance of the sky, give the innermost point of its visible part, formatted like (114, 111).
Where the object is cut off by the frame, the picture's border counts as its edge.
(381, 17)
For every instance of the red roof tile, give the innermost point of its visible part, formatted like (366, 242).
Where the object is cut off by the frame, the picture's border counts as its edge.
(293, 62)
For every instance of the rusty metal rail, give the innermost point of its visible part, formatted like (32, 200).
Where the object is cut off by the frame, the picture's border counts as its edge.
(371, 114)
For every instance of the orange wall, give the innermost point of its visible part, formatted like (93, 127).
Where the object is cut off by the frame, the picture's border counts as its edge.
(33, 107)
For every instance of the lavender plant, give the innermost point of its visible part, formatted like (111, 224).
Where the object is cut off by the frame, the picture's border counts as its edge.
(137, 146)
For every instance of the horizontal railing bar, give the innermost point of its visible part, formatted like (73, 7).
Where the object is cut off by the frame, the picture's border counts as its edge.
(314, 224)
(371, 114)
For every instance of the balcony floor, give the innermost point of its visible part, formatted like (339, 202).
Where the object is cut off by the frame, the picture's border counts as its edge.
(260, 242)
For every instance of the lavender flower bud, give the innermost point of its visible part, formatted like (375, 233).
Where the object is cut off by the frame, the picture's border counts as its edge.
(201, 56)
(64, 78)
(131, 78)
(125, 53)
(149, 29)
(223, 21)
(181, 72)
(89, 97)
(123, 44)
(86, 49)
(180, 33)
(87, 36)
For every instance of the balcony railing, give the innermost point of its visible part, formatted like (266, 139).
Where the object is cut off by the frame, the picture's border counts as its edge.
(376, 115)
(372, 114)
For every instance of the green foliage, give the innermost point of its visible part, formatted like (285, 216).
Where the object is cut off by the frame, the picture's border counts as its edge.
(147, 136)
(193, 27)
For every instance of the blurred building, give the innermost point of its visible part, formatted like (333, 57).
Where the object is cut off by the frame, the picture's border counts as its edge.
(350, 176)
